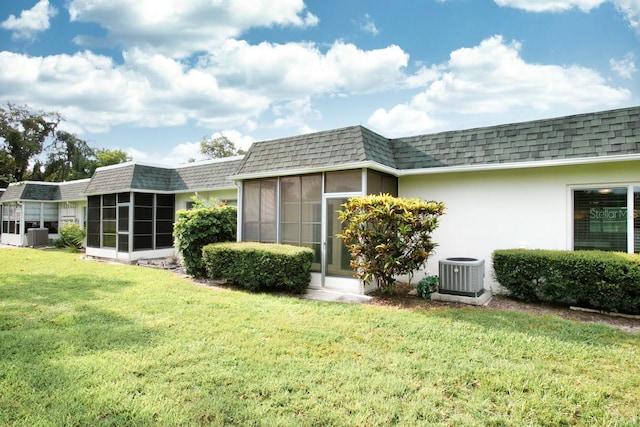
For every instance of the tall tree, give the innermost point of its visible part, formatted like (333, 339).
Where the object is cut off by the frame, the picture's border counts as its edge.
(106, 157)
(23, 134)
(219, 147)
(69, 158)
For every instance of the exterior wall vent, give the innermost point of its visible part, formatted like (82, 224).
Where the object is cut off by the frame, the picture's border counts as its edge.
(462, 276)
(37, 237)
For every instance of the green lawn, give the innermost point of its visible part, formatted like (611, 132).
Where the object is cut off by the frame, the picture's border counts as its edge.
(86, 343)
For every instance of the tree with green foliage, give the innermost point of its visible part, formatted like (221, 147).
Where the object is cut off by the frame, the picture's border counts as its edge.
(32, 147)
(23, 134)
(219, 147)
(69, 158)
(106, 157)
(388, 236)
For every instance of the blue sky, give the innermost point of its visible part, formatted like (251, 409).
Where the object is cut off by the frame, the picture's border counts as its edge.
(153, 77)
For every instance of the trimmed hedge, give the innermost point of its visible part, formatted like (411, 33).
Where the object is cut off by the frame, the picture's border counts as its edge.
(260, 266)
(597, 279)
(199, 227)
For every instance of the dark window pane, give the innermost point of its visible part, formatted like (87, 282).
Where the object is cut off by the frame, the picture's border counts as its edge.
(124, 197)
(166, 213)
(142, 227)
(109, 240)
(31, 224)
(109, 226)
(142, 243)
(93, 240)
(164, 227)
(108, 213)
(390, 185)
(93, 202)
(109, 200)
(123, 218)
(123, 242)
(167, 200)
(143, 199)
(93, 227)
(600, 219)
(143, 214)
(93, 214)
(52, 226)
(164, 241)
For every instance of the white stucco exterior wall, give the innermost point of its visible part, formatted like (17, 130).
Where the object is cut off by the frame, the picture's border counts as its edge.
(230, 195)
(503, 209)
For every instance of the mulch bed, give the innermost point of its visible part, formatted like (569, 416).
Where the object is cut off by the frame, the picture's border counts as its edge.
(402, 299)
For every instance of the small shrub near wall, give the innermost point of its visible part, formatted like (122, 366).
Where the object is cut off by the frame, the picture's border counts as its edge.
(71, 236)
(199, 227)
(260, 266)
(388, 236)
(597, 279)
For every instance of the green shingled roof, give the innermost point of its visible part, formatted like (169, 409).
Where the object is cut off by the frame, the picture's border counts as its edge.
(45, 191)
(73, 190)
(209, 175)
(582, 136)
(591, 135)
(31, 191)
(607, 133)
(328, 149)
(191, 177)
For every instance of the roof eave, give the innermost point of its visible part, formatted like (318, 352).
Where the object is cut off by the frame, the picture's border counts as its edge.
(302, 171)
(522, 165)
(205, 189)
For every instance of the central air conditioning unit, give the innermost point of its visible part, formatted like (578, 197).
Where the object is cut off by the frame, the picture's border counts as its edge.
(461, 276)
(37, 237)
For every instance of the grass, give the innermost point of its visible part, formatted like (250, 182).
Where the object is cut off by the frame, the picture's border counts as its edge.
(86, 343)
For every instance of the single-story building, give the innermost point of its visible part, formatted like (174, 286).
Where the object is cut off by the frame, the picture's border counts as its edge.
(563, 183)
(132, 207)
(32, 205)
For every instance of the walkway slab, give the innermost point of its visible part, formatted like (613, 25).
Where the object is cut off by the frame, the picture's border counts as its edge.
(332, 296)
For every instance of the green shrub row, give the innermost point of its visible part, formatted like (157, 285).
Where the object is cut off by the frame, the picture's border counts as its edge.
(259, 266)
(602, 280)
(199, 227)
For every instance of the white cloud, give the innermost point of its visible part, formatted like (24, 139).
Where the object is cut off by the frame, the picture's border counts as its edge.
(629, 8)
(31, 21)
(492, 78)
(367, 25)
(179, 29)
(624, 67)
(402, 120)
(550, 5)
(147, 90)
(296, 70)
(188, 151)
